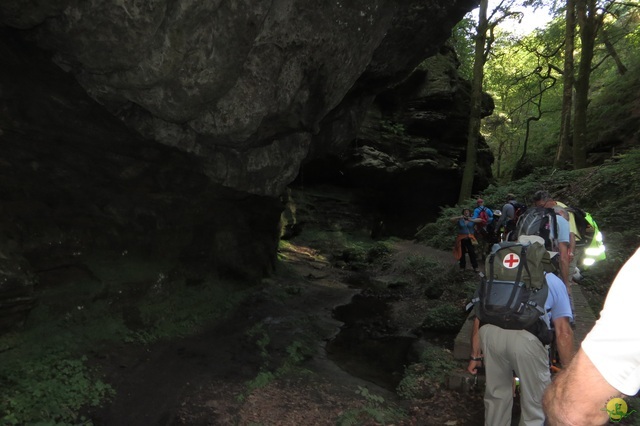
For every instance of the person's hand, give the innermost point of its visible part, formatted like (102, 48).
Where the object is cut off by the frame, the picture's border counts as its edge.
(473, 366)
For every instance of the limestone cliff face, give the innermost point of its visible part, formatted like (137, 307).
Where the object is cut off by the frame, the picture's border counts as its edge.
(172, 127)
(243, 84)
(407, 158)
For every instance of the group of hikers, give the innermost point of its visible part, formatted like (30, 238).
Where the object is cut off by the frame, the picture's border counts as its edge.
(524, 315)
(484, 227)
(480, 229)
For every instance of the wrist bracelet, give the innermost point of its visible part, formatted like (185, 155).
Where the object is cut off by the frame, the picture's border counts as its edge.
(473, 358)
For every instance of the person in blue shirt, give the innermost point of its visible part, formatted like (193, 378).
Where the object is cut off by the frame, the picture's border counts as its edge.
(484, 228)
(466, 239)
(523, 353)
(481, 208)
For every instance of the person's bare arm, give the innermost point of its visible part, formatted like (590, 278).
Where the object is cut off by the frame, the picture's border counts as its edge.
(564, 339)
(476, 351)
(563, 250)
(578, 395)
(572, 244)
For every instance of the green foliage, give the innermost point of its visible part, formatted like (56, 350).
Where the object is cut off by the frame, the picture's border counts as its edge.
(462, 41)
(445, 317)
(434, 277)
(49, 389)
(349, 247)
(521, 76)
(379, 250)
(297, 352)
(374, 410)
(431, 371)
(184, 310)
(423, 267)
(621, 177)
(524, 76)
(354, 253)
(372, 399)
(44, 376)
(392, 127)
(262, 339)
(442, 233)
(263, 379)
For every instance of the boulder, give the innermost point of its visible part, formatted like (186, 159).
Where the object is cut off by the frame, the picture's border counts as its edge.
(172, 128)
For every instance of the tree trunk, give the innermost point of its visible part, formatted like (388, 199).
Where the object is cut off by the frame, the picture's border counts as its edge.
(563, 154)
(466, 185)
(586, 16)
(499, 159)
(611, 50)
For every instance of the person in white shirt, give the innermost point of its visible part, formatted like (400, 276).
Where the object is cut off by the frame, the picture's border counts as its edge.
(607, 366)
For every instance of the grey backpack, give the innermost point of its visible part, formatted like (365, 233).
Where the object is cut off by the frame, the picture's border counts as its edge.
(539, 221)
(513, 293)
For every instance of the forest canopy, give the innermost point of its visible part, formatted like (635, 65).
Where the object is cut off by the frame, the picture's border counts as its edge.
(566, 95)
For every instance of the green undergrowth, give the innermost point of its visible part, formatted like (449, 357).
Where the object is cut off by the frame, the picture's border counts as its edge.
(421, 379)
(375, 409)
(49, 388)
(350, 247)
(185, 311)
(437, 280)
(445, 318)
(276, 362)
(46, 372)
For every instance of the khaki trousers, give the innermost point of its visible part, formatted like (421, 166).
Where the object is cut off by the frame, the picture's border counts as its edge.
(505, 352)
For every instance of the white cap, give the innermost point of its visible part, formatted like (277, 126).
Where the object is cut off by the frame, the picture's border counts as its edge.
(524, 239)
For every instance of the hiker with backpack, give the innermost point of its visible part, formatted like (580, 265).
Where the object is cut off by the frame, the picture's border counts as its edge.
(483, 213)
(511, 212)
(466, 240)
(484, 228)
(543, 199)
(520, 307)
(552, 225)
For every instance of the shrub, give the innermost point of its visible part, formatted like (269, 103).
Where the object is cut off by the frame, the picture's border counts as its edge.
(445, 318)
(422, 378)
(380, 250)
(375, 409)
(51, 389)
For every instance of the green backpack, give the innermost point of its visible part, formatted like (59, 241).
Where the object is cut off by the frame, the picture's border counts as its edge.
(513, 292)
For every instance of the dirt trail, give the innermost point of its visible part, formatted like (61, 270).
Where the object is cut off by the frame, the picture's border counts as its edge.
(406, 248)
(201, 380)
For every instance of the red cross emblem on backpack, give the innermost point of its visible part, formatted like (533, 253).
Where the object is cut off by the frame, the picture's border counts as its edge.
(511, 261)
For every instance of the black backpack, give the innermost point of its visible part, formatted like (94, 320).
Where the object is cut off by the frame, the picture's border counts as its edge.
(542, 222)
(518, 210)
(513, 293)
